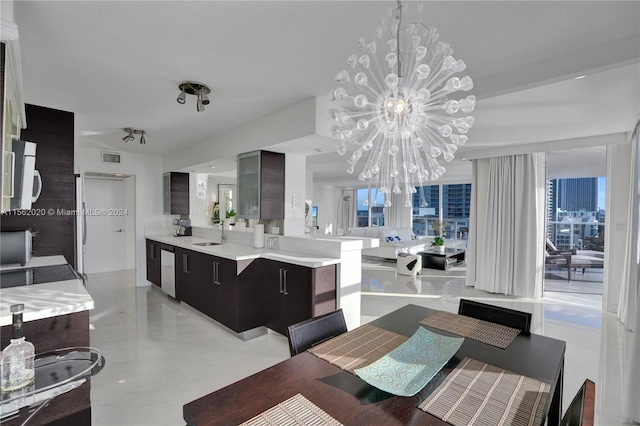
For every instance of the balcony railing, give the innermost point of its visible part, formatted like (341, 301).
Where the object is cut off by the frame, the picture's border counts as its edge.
(576, 235)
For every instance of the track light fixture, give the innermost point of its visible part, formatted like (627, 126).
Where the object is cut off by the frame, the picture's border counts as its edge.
(131, 131)
(200, 90)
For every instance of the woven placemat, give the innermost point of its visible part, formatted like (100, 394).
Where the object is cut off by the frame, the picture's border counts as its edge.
(359, 347)
(296, 410)
(477, 393)
(483, 331)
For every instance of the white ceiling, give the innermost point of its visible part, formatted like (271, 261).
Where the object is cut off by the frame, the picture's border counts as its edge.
(118, 64)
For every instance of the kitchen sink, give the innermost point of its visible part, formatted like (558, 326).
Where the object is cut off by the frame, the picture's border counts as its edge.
(206, 243)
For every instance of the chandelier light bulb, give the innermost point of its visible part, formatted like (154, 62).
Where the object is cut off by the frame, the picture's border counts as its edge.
(404, 117)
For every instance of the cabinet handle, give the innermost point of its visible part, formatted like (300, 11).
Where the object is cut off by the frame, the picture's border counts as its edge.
(284, 275)
(281, 289)
(185, 263)
(153, 251)
(216, 273)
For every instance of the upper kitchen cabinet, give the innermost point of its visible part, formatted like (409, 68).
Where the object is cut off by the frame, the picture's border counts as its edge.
(175, 193)
(261, 185)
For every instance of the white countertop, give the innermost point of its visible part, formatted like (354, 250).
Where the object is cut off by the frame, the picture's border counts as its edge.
(236, 251)
(44, 300)
(36, 262)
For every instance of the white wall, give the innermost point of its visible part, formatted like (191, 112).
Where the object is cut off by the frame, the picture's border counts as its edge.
(199, 211)
(326, 197)
(294, 194)
(147, 170)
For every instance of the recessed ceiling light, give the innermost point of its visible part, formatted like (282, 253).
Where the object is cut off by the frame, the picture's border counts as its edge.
(579, 77)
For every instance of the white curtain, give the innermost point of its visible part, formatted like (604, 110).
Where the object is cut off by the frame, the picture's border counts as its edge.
(393, 214)
(509, 235)
(630, 289)
(346, 210)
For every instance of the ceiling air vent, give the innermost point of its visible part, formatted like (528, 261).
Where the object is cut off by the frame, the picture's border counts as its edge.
(111, 157)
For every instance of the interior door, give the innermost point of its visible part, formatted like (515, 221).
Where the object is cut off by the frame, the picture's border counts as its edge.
(106, 212)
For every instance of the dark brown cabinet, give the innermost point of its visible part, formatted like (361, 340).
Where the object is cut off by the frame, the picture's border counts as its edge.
(261, 185)
(220, 290)
(246, 294)
(175, 197)
(153, 262)
(293, 293)
(53, 132)
(188, 277)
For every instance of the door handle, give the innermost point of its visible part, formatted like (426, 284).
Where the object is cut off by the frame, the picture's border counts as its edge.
(120, 230)
(284, 278)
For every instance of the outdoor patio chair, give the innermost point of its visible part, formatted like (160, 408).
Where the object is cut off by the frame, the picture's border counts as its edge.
(573, 259)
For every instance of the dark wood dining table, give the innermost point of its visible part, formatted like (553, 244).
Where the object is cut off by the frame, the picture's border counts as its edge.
(352, 401)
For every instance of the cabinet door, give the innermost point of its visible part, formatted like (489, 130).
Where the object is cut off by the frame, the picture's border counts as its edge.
(209, 292)
(227, 296)
(272, 177)
(188, 277)
(273, 296)
(297, 294)
(249, 185)
(153, 262)
(175, 193)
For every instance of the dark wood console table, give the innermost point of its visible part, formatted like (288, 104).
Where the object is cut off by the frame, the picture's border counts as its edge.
(444, 261)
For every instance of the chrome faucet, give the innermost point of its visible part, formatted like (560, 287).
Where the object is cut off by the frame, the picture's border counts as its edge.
(222, 235)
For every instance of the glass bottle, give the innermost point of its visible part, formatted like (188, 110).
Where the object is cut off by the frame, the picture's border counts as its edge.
(18, 357)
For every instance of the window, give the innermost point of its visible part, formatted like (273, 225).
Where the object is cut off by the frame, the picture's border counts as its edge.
(451, 203)
(575, 213)
(372, 215)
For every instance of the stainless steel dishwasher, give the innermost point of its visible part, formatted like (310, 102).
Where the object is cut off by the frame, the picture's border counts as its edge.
(167, 269)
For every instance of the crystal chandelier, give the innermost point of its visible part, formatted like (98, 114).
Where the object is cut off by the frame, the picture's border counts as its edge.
(401, 117)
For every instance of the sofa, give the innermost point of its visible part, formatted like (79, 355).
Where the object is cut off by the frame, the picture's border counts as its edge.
(394, 241)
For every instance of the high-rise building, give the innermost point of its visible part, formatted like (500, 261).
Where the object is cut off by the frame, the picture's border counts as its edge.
(577, 194)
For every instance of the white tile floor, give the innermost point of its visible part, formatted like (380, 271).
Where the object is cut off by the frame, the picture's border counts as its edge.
(161, 354)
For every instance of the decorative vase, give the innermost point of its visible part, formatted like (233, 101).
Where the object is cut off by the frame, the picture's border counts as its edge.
(438, 249)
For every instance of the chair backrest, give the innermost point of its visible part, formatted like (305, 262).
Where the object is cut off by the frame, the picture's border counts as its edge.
(496, 314)
(308, 333)
(551, 246)
(581, 409)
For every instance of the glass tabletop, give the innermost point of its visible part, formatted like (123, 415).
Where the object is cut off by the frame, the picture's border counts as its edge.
(56, 372)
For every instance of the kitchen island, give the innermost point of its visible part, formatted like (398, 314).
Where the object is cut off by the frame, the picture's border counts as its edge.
(56, 316)
(244, 289)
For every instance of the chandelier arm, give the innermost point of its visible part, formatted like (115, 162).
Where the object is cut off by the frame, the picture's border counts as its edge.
(437, 138)
(438, 79)
(399, 21)
(378, 71)
(360, 88)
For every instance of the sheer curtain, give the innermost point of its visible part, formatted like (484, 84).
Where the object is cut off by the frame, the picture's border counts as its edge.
(630, 290)
(346, 210)
(508, 214)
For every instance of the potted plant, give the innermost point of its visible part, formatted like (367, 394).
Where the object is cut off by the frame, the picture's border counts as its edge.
(438, 241)
(231, 215)
(438, 244)
(216, 214)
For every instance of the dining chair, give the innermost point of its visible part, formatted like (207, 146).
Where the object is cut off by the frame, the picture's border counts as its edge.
(313, 331)
(581, 410)
(496, 314)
